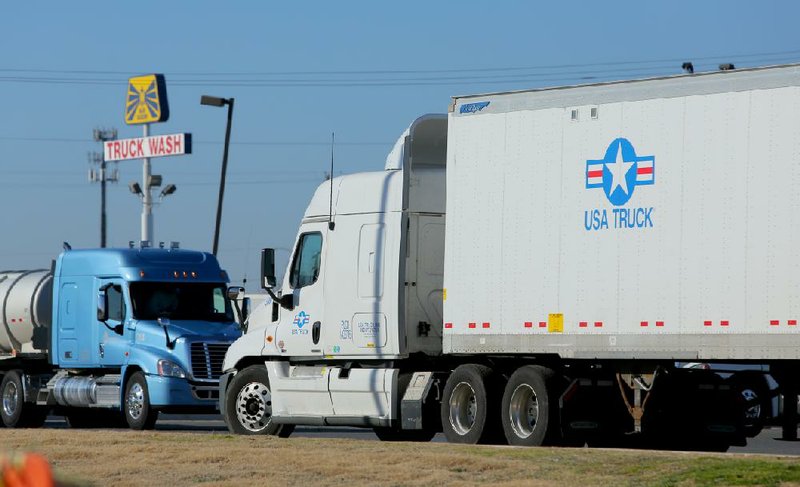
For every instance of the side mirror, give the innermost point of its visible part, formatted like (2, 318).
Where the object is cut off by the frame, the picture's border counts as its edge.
(287, 301)
(102, 306)
(234, 291)
(268, 280)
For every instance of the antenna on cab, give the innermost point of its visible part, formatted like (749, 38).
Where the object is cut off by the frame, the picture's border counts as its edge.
(330, 208)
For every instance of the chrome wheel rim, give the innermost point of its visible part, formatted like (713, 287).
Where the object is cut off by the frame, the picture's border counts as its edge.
(523, 411)
(254, 407)
(10, 399)
(135, 401)
(752, 412)
(463, 408)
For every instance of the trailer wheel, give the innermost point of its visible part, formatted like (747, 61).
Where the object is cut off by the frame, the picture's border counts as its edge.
(138, 412)
(469, 406)
(754, 394)
(14, 412)
(248, 405)
(530, 407)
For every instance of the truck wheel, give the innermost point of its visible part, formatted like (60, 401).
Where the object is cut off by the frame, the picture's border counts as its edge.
(14, 412)
(530, 407)
(138, 412)
(469, 406)
(248, 405)
(753, 391)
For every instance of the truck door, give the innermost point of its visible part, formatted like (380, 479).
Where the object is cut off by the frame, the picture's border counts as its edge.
(300, 328)
(112, 343)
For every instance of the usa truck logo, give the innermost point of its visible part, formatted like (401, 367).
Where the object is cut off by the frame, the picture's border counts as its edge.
(300, 320)
(618, 173)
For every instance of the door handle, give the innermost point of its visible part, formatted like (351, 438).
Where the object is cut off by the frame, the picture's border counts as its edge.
(315, 329)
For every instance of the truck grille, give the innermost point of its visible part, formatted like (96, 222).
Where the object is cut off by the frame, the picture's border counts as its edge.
(207, 359)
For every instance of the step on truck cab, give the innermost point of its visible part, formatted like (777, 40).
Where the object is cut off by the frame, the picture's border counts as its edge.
(114, 336)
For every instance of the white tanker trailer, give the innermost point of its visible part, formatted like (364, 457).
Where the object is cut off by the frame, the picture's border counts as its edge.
(26, 308)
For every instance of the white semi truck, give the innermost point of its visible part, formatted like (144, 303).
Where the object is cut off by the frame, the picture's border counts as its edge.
(595, 235)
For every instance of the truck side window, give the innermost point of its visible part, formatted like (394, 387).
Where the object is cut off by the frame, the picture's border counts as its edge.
(305, 268)
(219, 300)
(116, 303)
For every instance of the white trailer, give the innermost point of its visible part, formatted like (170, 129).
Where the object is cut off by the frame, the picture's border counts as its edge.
(595, 235)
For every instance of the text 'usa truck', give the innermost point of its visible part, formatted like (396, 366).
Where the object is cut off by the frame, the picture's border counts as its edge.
(110, 337)
(596, 237)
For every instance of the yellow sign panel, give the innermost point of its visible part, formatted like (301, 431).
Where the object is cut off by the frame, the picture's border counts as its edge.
(147, 100)
(555, 323)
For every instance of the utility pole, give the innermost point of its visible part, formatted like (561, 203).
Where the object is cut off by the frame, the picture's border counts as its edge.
(97, 159)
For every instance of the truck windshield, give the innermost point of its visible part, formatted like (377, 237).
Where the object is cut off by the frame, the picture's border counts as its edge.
(180, 301)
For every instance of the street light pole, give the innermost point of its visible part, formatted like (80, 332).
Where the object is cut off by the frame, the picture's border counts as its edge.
(218, 102)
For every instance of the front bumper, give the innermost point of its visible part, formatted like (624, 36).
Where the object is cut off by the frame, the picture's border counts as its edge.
(174, 393)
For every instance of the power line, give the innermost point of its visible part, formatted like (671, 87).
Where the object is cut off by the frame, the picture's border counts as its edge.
(669, 61)
(196, 142)
(378, 78)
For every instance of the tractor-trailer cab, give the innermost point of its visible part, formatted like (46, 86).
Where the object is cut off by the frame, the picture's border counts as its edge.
(363, 290)
(136, 330)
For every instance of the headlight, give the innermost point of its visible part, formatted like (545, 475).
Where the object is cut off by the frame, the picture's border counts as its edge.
(170, 369)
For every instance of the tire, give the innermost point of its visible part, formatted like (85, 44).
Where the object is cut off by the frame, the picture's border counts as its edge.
(139, 414)
(756, 404)
(530, 407)
(13, 410)
(394, 434)
(248, 405)
(470, 404)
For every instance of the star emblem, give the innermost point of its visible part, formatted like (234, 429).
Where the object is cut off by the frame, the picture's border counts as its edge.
(619, 171)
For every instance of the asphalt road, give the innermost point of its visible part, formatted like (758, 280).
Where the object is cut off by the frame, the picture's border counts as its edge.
(768, 442)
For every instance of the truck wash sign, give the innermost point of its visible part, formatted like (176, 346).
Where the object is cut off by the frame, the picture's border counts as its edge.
(618, 174)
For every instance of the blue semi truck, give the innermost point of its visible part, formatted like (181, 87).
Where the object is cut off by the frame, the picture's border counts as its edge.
(114, 336)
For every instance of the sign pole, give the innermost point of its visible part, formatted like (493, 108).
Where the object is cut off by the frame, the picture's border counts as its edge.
(147, 196)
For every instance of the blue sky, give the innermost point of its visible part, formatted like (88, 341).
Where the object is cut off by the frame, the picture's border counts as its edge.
(298, 71)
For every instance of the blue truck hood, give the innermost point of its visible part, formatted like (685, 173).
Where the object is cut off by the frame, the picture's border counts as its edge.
(193, 330)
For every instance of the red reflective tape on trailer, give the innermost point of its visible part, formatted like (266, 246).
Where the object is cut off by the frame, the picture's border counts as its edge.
(583, 324)
(448, 325)
(774, 322)
(528, 324)
(643, 323)
(706, 323)
(792, 323)
(598, 324)
(472, 325)
(724, 323)
(542, 324)
(659, 323)
(486, 325)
